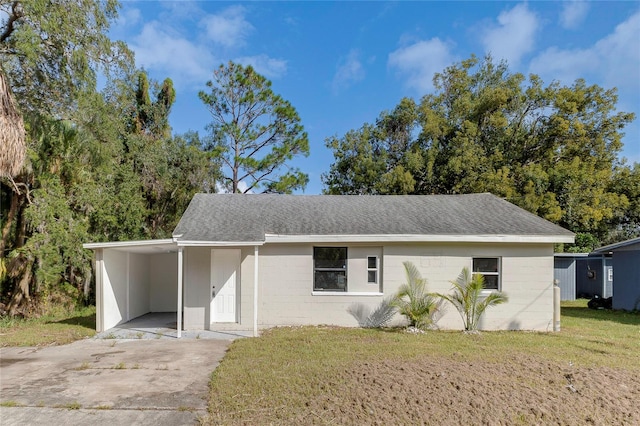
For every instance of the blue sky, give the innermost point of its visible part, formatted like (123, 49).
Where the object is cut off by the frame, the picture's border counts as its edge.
(342, 63)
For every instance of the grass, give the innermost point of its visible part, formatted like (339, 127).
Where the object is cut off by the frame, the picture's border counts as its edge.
(286, 366)
(70, 406)
(10, 404)
(48, 330)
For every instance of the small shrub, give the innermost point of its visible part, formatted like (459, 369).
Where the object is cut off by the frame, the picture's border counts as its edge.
(414, 302)
(468, 299)
(377, 318)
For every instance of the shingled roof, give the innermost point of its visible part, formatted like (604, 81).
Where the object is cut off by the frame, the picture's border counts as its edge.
(256, 217)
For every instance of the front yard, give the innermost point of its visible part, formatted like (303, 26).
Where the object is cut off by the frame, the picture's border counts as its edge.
(65, 327)
(585, 374)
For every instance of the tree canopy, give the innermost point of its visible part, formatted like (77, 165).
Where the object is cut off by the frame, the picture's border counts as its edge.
(551, 149)
(254, 132)
(100, 166)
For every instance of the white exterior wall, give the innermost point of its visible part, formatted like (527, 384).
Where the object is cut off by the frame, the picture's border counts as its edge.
(286, 296)
(138, 285)
(526, 278)
(197, 275)
(163, 278)
(197, 289)
(114, 288)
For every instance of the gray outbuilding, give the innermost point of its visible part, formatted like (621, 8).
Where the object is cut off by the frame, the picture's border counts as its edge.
(583, 275)
(625, 257)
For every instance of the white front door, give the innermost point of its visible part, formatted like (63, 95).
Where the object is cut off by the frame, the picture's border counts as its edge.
(225, 268)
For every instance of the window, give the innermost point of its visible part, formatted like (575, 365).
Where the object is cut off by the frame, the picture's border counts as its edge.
(372, 270)
(489, 268)
(330, 268)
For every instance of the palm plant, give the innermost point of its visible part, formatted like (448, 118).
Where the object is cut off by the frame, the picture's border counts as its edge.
(468, 299)
(377, 318)
(413, 301)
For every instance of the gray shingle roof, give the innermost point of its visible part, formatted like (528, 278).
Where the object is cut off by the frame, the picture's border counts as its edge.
(247, 218)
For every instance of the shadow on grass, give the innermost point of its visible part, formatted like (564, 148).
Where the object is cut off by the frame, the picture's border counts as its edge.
(87, 321)
(622, 317)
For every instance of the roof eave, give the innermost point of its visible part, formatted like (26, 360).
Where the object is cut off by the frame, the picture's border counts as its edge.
(540, 239)
(126, 244)
(197, 243)
(609, 248)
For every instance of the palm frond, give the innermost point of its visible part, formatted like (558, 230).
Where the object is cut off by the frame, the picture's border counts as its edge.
(468, 299)
(413, 301)
(380, 316)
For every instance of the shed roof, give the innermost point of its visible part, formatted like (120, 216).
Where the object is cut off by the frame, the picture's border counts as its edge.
(616, 246)
(256, 218)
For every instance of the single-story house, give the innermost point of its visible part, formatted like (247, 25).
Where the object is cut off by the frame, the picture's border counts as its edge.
(246, 262)
(625, 257)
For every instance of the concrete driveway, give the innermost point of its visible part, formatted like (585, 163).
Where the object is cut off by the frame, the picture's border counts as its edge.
(94, 381)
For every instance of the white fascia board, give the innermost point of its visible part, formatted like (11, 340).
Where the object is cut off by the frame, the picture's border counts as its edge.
(346, 293)
(219, 243)
(124, 244)
(408, 238)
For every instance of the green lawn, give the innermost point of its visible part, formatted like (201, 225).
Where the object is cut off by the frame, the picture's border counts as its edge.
(48, 330)
(287, 367)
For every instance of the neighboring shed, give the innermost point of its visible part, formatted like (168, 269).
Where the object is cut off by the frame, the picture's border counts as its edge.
(626, 264)
(594, 276)
(564, 273)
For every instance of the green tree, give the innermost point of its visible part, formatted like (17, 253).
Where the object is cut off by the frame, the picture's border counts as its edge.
(376, 159)
(553, 150)
(468, 299)
(413, 301)
(254, 132)
(51, 51)
(625, 181)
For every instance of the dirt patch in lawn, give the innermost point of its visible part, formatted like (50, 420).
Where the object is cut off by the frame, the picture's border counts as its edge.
(449, 391)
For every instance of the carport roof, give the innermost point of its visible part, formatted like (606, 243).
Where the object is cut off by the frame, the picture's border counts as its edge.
(260, 218)
(140, 246)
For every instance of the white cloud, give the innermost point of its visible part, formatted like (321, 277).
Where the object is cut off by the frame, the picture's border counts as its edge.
(269, 67)
(349, 71)
(573, 13)
(128, 17)
(513, 37)
(228, 28)
(420, 61)
(613, 60)
(159, 50)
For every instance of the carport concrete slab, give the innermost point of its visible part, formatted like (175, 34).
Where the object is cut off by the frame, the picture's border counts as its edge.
(162, 325)
(155, 375)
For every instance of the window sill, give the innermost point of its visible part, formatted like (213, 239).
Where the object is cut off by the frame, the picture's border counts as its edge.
(346, 293)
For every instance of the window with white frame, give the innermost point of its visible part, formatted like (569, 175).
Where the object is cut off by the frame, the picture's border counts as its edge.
(330, 269)
(372, 269)
(489, 268)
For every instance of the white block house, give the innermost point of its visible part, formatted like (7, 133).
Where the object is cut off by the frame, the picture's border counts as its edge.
(246, 262)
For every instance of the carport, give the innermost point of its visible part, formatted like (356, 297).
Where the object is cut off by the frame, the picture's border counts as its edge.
(134, 278)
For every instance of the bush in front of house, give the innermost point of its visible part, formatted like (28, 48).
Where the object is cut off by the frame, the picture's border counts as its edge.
(469, 300)
(377, 318)
(414, 302)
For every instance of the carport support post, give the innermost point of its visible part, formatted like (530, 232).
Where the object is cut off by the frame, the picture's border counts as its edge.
(179, 320)
(255, 291)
